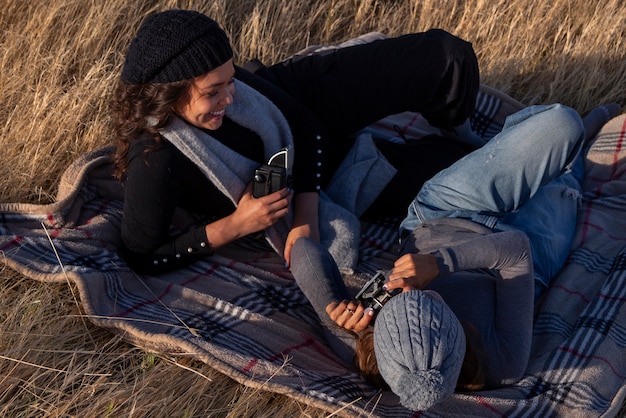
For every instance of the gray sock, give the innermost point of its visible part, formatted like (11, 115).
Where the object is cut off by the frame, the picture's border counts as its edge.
(599, 116)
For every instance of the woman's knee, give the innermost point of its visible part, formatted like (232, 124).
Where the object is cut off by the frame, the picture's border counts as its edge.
(307, 254)
(459, 72)
(301, 247)
(566, 125)
(451, 45)
(565, 116)
(549, 119)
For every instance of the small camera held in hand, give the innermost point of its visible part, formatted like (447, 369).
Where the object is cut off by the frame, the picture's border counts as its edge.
(274, 175)
(372, 295)
(268, 179)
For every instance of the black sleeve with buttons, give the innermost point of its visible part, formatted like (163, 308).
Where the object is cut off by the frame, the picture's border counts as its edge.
(161, 180)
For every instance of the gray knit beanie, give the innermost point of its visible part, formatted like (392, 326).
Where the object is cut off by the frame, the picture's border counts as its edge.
(419, 345)
(175, 45)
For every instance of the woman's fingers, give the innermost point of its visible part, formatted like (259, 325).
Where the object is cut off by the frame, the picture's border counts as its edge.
(350, 315)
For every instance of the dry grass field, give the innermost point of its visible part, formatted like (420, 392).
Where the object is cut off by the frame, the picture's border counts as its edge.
(58, 63)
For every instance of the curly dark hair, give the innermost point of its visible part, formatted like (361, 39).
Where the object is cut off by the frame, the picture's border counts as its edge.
(133, 105)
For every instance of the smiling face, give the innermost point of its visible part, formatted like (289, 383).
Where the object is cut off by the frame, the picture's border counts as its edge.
(209, 95)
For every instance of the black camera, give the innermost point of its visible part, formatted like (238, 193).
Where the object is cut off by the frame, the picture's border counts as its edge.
(274, 175)
(268, 179)
(372, 295)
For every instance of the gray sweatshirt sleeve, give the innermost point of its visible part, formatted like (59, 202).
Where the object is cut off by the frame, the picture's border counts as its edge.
(508, 339)
(508, 252)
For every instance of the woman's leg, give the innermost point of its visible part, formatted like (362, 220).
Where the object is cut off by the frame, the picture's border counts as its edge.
(536, 145)
(317, 275)
(549, 218)
(434, 73)
(549, 221)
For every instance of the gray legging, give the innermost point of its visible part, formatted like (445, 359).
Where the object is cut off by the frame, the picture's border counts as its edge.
(316, 273)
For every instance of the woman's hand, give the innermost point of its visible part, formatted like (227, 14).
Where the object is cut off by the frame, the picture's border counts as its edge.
(350, 315)
(305, 221)
(413, 271)
(251, 215)
(255, 214)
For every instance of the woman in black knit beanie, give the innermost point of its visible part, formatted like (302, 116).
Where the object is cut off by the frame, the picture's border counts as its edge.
(192, 127)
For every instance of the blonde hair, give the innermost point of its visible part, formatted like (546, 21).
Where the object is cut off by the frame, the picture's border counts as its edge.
(365, 359)
(472, 375)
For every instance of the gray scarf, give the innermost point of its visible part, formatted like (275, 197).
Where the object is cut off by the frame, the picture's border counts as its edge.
(230, 172)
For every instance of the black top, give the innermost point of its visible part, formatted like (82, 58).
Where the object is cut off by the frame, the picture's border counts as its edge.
(160, 179)
(324, 98)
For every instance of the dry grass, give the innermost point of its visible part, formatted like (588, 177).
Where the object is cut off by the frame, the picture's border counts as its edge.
(58, 61)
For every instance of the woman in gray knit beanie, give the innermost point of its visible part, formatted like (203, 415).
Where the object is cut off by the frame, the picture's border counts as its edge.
(464, 319)
(420, 346)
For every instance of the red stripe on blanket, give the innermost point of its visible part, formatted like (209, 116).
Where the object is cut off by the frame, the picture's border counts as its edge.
(408, 125)
(482, 401)
(101, 209)
(382, 125)
(571, 292)
(614, 171)
(52, 224)
(609, 297)
(602, 359)
(307, 343)
(88, 234)
(599, 228)
(250, 365)
(15, 241)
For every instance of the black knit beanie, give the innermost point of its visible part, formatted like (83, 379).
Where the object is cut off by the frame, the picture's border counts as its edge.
(175, 45)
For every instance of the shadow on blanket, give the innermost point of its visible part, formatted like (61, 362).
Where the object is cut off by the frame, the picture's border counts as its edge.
(240, 311)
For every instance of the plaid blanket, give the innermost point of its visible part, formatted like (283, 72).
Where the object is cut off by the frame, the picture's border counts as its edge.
(241, 312)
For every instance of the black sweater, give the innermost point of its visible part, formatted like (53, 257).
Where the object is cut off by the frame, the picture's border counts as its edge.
(329, 95)
(162, 179)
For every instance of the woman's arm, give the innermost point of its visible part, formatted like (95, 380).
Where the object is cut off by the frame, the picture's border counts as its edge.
(305, 223)
(504, 251)
(159, 182)
(153, 190)
(499, 301)
(309, 170)
(508, 342)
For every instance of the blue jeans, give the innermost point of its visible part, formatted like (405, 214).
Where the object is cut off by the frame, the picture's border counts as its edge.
(521, 179)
